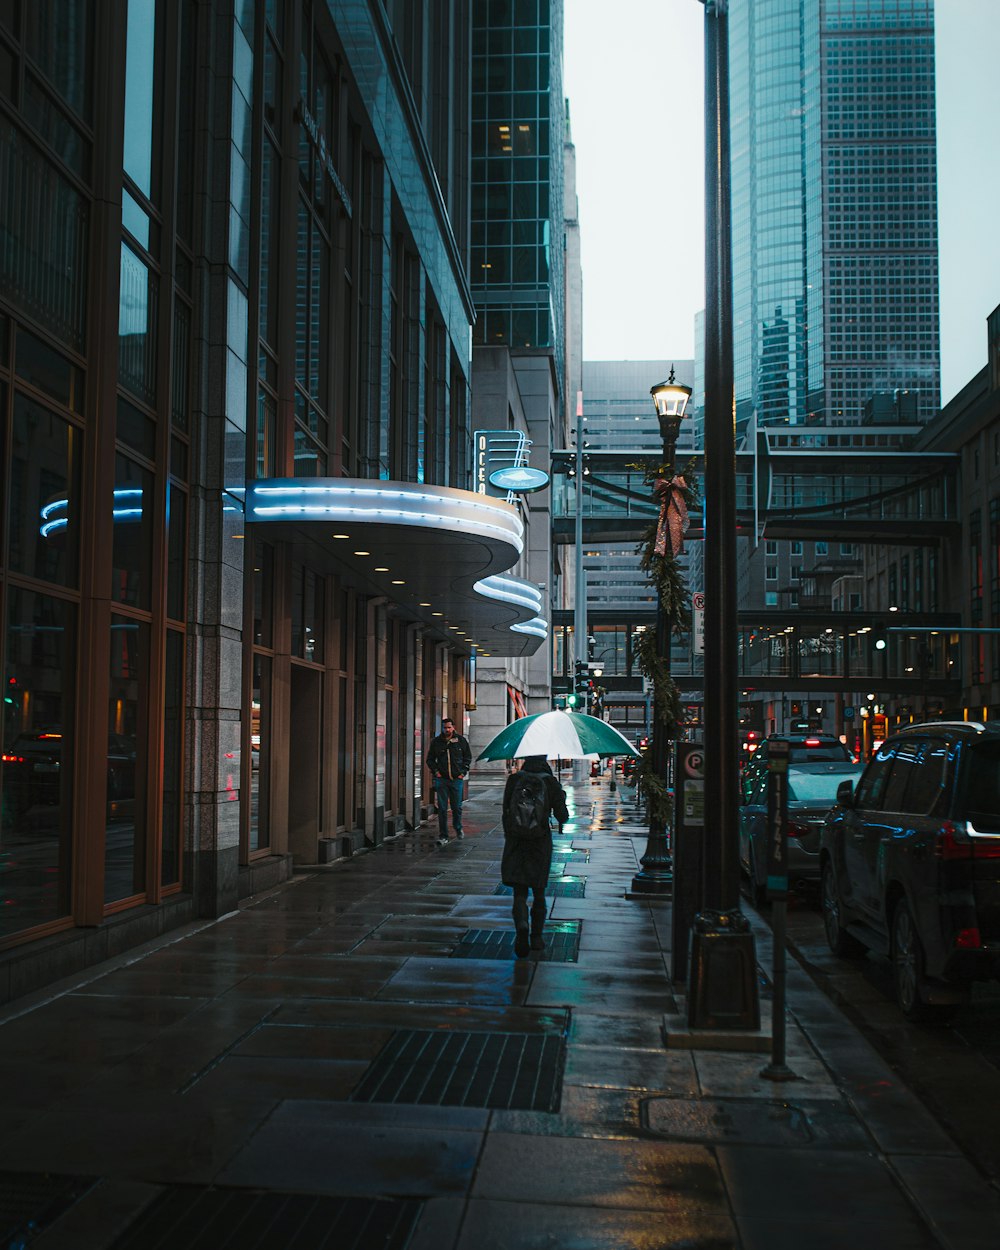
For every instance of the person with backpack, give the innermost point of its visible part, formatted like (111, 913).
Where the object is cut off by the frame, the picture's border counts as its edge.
(531, 796)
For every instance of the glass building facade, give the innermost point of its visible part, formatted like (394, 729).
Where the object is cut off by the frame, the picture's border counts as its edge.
(518, 120)
(233, 249)
(835, 207)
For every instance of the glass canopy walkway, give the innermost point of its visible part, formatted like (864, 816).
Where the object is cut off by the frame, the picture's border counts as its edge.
(852, 484)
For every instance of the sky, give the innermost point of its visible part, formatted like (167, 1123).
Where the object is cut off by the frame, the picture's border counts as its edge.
(636, 105)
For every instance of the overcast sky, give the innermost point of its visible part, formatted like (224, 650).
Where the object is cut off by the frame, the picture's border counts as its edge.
(636, 99)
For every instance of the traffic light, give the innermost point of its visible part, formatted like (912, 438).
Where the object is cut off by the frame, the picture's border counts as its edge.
(879, 637)
(572, 699)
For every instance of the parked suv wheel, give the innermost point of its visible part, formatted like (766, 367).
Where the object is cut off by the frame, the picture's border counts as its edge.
(907, 956)
(842, 943)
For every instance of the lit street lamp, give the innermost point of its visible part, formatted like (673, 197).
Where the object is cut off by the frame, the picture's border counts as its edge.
(656, 875)
(722, 986)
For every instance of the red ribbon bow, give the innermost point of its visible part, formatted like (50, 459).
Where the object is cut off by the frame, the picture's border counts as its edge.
(673, 517)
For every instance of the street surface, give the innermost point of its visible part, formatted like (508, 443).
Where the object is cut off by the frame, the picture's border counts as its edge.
(954, 1068)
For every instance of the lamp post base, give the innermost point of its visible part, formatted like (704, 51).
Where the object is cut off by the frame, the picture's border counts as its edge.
(657, 873)
(722, 984)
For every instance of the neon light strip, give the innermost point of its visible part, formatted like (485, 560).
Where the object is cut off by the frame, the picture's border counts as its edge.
(538, 627)
(510, 590)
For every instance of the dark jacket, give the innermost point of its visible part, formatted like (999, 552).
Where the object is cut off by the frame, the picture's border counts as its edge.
(526, 861)
(450, 759)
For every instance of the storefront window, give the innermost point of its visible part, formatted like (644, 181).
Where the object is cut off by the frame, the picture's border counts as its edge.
(36, 774)
(260, 753)
(128, 694)
(173, 772)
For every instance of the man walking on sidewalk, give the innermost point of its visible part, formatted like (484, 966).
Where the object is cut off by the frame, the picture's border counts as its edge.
(449, 759)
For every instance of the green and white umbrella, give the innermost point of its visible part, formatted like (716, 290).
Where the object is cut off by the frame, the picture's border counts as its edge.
(558, 736)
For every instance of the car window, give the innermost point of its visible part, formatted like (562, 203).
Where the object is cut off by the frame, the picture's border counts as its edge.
(930, 782)
(872, 785)
(815, 787)
(802, 754)
(905, 764)
(982, 784)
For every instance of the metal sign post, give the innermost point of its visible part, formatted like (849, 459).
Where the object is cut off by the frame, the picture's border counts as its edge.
(687, 845)
(777, 893)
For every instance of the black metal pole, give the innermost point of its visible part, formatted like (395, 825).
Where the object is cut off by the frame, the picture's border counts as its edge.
(656, 876)
(723, 982)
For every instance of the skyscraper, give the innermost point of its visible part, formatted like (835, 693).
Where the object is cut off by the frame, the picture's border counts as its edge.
(834, 207)
(835, 272)
(518, 119)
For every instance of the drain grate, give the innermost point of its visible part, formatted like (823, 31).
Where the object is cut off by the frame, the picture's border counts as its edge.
(558, 887)
(31, 1201)
(562, 943)
(512, 1071)
(231, 1219)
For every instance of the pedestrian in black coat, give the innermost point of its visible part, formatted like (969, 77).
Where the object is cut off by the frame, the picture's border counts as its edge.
(526, 861)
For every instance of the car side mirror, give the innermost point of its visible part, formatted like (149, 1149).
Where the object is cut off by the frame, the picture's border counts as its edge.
(845, 794)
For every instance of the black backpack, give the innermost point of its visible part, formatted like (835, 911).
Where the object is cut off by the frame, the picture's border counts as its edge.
(528, 809)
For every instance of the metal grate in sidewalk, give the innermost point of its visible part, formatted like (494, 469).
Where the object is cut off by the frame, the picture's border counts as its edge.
(427, 1067)
(558, 887)
(564, 855)
(562, 943)
(31, 1201)
(197, 1218)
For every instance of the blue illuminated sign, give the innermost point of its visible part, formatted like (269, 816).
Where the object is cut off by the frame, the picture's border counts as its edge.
(522, 479)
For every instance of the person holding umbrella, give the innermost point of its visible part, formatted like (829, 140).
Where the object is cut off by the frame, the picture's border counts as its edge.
(531, 796)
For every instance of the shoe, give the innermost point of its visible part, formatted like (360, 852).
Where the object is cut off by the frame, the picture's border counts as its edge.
(460, 835)
(521, 943)
(443, 840)
(537, 942)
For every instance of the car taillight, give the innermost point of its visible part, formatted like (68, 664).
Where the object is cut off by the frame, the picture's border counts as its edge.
(968, 939)
(952, 844)
(11, 759)
(966, 843)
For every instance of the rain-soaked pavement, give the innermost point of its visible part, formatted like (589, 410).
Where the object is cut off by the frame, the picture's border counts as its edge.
(356, 1060)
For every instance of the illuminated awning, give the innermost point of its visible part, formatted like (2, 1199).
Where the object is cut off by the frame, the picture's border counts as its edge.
(439, 553)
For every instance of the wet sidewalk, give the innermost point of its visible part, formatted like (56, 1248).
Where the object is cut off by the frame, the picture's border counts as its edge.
(356, 1060)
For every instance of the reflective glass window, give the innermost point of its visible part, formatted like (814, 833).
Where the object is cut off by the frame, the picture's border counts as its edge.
(263, 595)
(57, 36)
(128, 695)
(42, 367)
(43, 497)
(135, 429)
(36, 771)
(176, 547)
(140, 80)
(173, 760)
(260, 752)
(137, 326)
(132, 541)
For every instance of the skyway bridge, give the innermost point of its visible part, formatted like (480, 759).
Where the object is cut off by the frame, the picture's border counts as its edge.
(840, 483)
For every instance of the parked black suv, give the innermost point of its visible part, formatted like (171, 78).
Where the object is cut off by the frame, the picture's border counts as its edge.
(910, 862)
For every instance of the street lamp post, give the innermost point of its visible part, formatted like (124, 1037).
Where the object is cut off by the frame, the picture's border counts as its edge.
(657, 874)
(722, 989)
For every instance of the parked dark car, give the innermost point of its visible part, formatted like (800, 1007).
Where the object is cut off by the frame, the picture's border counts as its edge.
(814, 748)
(32, 769)
(910, 863)
(812, 791)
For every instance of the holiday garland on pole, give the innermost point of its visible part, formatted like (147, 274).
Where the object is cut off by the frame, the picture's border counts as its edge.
(658, 549)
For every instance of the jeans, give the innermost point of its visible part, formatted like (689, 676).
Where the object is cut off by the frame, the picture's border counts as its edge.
(449, 792)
